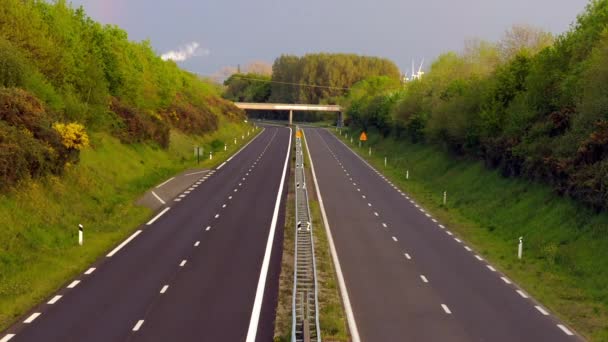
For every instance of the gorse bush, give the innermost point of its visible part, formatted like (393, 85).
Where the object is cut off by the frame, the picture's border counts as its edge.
(62, 73)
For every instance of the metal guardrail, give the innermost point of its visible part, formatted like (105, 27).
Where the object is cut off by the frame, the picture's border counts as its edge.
(305, 308)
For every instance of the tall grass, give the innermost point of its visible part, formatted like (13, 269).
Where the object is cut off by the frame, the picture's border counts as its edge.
(565, 263)
(38, 249)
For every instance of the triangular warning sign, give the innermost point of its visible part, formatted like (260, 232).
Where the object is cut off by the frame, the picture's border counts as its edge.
(363, 136)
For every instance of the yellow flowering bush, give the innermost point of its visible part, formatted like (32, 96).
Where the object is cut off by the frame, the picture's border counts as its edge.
(73, 135)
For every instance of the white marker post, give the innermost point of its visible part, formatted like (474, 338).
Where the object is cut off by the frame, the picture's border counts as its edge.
(351, 140)
(385, 161)
(235, 141)
(225, 147)
(370, 151)
(407, 174)
(520, 248)
(210, 155)
(445, 197)
(80, 234)
(242, 137)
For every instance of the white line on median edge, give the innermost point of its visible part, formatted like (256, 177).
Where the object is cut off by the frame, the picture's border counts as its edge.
(259, 295)
(221, 165)
(124, 243)
(350, 317)
(158, 216)
(196, 173)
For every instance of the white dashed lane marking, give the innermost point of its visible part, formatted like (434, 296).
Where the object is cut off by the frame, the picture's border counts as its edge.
(183, 263)
(7, 337)
(424, 278)
(164, 289)
(565, 330)
(73, 284)
(446, 309)
(408, 257)
(90, 270)
(54, 299)
(521, 293)
(32, 317)
(541, 310)
(138, 325)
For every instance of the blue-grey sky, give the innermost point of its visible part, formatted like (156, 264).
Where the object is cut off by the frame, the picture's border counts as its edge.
(232, 32)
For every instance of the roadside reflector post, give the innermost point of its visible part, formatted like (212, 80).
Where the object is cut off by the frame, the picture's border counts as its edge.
(351, 140)
(370, 151)
(225, 147)
(520, 248)
(385, 161)
(407, 174)
(242, 137)
(80, 234)
(210, 155)
(235, 141)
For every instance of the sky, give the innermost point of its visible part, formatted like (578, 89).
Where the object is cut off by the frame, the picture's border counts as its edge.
(211, 34)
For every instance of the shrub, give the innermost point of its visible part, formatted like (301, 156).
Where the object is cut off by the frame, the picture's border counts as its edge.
(137, 127)
(73, 135)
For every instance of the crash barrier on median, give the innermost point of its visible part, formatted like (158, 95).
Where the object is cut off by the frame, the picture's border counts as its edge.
(305, 308)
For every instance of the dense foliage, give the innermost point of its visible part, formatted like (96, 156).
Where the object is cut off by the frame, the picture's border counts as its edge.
(526, 106)
(330, 72)
(57, 63)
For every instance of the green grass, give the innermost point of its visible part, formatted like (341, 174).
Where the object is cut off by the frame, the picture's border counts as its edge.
(565, 263)
(38, 237)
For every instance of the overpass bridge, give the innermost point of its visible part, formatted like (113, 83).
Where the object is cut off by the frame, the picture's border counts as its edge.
(292, 107)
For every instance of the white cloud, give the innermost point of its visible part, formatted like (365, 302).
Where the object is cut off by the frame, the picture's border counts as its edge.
(185, 52)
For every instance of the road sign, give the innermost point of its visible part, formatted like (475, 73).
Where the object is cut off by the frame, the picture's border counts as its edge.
(363, 137)
(298, 134)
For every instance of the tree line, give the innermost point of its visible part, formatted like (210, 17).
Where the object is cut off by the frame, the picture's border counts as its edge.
(531, 105)
(57, 65)
(311, 79)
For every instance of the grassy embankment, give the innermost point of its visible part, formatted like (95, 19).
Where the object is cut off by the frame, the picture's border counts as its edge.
(565, 262)
(38, 240)
(332, 318)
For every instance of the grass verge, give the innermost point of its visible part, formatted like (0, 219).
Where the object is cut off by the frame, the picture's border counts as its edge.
(565, 263)
(38, 239)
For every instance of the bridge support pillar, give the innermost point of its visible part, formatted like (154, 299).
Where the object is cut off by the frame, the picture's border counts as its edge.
(290, 117)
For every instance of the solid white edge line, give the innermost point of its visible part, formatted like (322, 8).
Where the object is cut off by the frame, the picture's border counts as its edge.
(565, 330)
(158, 216)
(158, 197)
(124, 243)
(138, 325)
(350, 317)
(259, 295)
(221, 165)
(7, 337)
(32, 317)
(165, 182)
(196, 173)
(54, 299)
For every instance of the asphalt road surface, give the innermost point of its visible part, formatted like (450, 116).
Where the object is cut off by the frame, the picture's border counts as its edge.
(206, 269)
(407, 276)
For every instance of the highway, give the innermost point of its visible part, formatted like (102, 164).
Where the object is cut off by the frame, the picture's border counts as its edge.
(407, 276)
(205, 268)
